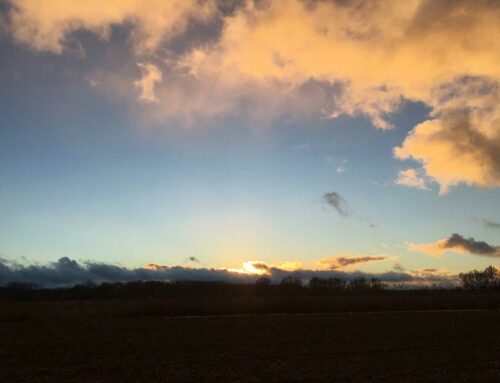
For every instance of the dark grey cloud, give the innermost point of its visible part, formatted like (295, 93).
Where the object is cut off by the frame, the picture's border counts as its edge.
(345, 261)
(260, 266)
(68, 272)
(336, 201)
(430, 270)
(389, 277)
(339, 262)
(490, 224)
(192, 259)
(471, 245)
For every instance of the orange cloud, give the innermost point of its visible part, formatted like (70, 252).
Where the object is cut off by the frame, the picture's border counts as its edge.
(151, 75)
(322, 59)
(44, 25)
(381, 51)
(262, 268)
(456, 244)
(348, 260)
(411, 178)
(462, 142)
(435, 249)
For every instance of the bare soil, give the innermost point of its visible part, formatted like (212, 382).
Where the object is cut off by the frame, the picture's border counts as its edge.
(432, 346)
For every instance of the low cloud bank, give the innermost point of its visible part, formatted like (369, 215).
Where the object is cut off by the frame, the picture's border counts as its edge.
(68, 272)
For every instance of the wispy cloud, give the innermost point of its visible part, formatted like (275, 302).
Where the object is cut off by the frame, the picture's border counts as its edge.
(151, 75)
(398, 267)
(46, 25)
(411, 179)
(340, 166)
(490, 224)
(346, 260)
(336, 201)
(192, 260)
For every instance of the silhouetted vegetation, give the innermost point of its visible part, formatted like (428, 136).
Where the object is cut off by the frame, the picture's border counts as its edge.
(488, 279)
(289, 295)
(132, 332)
(288, 286)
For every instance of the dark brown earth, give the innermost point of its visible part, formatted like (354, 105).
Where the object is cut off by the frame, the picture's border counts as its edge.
(446, 346)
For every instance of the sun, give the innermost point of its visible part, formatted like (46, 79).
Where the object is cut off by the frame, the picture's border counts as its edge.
(252, 268)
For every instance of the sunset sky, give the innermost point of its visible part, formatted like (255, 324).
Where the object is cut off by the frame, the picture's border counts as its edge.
(304, 135)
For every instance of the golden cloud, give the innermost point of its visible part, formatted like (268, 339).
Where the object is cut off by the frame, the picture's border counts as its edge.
(151, 75)
(381, 52)
(44, 25)
(324, 59)
(462, 142)
(411, 178)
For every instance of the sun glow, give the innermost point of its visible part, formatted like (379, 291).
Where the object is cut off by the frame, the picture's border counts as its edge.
(252, 268)
(262, 268)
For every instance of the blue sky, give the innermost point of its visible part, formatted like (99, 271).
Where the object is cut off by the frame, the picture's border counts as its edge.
(90, 172)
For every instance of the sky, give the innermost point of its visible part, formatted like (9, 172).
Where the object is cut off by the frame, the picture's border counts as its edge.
(208, 136)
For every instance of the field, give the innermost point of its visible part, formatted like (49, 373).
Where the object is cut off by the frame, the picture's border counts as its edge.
(90, 346)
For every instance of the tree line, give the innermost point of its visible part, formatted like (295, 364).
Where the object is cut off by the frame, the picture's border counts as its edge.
(488, 279)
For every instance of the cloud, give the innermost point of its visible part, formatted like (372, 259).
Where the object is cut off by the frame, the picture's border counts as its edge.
(151, 75)
(471, 245)
(346, 260)
(433, 275)
(290, 265)
(264, 60)
(192, 259)
(398, 267)
(462, 143)
(412, 179)
(46, 25)
(457, 244)
(379, 51)
(490, 224)
(376, 54)
(340, 166)
(336, 201)
(258, 267)
(68, 272)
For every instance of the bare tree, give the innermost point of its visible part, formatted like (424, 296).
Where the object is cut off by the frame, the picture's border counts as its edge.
(487, 279)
